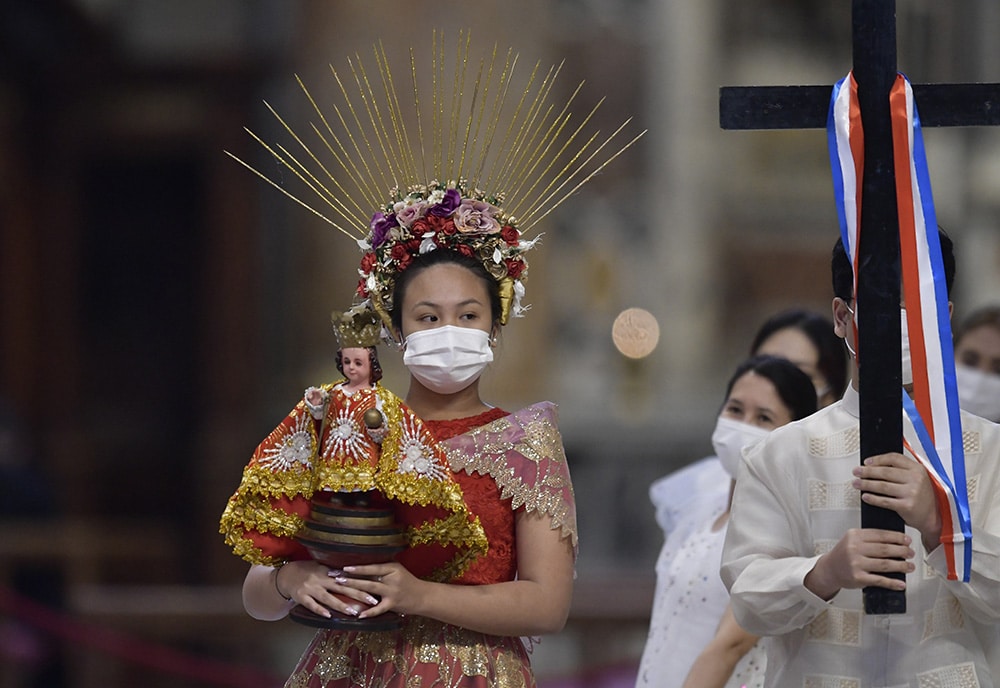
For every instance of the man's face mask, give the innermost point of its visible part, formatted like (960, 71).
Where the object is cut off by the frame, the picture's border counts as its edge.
(904, 352)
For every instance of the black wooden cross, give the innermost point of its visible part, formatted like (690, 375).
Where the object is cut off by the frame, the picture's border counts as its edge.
(803, 107)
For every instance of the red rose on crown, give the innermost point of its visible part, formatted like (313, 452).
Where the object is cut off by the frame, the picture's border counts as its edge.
(515, 268)
(399, 252)
(420, 227)
(510, 235)
(441, 224)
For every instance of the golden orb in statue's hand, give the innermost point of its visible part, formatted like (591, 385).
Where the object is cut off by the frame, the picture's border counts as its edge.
(373, 418)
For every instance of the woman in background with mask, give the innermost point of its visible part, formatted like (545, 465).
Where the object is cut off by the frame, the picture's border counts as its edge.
(693, 639)
(977, 362)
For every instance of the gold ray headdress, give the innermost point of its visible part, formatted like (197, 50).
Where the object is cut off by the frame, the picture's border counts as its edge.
(443, 188)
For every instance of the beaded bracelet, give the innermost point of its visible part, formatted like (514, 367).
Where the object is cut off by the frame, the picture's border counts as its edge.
(285, 597)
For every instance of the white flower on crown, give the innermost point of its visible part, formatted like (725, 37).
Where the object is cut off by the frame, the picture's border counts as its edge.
(427, 243)
(516, 309)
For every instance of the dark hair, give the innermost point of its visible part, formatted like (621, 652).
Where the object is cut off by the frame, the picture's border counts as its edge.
(376, 367)
(832, 358)
(986, 315)
(793, 386)
(843, 273)
(442, 256)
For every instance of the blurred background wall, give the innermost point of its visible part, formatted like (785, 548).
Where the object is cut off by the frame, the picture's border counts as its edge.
(161, 308)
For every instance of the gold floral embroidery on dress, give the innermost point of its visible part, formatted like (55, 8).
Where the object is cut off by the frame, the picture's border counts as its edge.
(472, 656)
(524, 454)
(424, 654)
(332, 663)
(381, 647)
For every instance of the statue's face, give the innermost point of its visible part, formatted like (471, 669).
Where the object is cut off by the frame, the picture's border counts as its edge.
(357, 365)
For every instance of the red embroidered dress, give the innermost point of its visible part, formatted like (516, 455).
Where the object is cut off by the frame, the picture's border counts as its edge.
(502, 463)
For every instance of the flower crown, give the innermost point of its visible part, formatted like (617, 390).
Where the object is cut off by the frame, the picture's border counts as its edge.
(443, 216)
(476, 140)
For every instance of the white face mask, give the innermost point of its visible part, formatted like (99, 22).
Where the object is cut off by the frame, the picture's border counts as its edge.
(731, 437)
(906, 368)
(978, 392)
(447, 359)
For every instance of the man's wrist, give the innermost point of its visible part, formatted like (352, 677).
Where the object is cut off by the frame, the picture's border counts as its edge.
(815, 582)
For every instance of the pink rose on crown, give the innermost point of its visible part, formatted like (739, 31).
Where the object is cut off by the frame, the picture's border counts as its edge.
(408, 213)
(475, 217)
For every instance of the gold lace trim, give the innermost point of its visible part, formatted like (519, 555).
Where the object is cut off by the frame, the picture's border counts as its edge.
(524, 454)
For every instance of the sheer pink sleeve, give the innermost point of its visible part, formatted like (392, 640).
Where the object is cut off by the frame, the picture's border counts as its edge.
(524, 454)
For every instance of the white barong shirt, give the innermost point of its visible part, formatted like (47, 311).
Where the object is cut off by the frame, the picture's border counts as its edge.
(794, 500)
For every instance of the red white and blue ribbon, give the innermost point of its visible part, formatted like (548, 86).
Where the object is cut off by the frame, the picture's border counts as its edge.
(933, 409)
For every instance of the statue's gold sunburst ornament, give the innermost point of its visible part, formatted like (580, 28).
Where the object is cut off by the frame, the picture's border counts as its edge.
(474, 174)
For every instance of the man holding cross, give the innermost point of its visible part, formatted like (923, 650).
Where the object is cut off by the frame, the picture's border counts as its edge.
(795, 559)
(912, 598)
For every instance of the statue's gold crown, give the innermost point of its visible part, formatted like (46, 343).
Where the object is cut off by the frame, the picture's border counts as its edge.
(356, 327)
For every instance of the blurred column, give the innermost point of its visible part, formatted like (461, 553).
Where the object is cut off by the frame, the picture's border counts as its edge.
(684, 107)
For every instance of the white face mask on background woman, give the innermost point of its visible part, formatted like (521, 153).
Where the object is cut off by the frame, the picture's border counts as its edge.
(731, 437)
(447, 359)
(978, 392)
